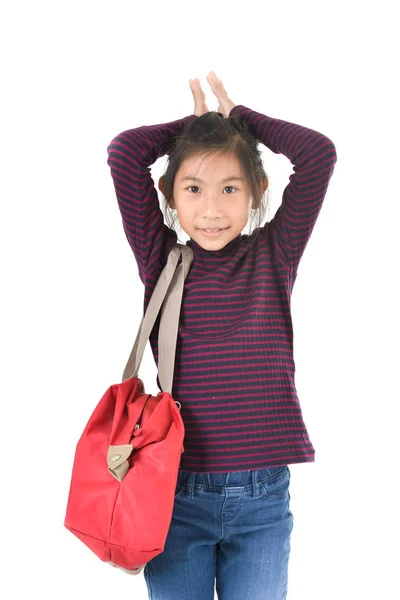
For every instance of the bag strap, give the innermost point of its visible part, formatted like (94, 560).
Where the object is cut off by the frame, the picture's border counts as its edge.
(167, 296)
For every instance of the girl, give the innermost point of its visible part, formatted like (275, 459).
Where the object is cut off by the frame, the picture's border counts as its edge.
(234, 368)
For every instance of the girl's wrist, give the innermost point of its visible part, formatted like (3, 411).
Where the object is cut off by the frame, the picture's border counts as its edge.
(231, 107)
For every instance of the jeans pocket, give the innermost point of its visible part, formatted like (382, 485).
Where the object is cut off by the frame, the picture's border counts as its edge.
(180, 488)
(276, 486)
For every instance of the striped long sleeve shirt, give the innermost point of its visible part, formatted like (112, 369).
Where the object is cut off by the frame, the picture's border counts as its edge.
(234, 368)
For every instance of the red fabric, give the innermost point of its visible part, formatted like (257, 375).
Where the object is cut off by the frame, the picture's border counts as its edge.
(127, 521)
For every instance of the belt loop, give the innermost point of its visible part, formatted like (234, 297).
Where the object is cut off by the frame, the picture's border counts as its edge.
(254, 481)
(190, 484)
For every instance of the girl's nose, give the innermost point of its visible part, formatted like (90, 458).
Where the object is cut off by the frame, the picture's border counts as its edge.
(210, 205)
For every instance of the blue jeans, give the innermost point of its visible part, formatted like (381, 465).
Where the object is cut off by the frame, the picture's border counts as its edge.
(231, 530)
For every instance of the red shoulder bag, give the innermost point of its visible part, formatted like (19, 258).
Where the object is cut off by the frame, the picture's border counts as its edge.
(127, 459)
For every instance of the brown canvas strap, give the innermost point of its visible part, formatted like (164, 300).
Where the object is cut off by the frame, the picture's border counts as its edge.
(167, 296)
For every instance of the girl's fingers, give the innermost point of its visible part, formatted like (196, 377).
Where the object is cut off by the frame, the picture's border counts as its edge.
(196, 87)
(216, 84)
(199, 97)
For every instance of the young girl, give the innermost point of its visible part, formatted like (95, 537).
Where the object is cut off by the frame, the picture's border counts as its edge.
(234, 368)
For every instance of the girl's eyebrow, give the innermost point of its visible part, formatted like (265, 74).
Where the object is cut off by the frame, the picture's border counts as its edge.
(234, 177)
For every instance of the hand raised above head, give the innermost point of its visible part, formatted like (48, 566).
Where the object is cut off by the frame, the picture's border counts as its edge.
(217, 87)
(200, 106)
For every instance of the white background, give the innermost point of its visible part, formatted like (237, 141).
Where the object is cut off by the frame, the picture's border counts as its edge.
(74, 75)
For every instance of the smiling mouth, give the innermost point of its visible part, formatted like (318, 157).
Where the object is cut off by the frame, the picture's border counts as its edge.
(213, 229)
(213, 232)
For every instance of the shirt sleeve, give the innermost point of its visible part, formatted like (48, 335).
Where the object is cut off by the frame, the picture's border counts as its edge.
(313, 156)
(130, 155)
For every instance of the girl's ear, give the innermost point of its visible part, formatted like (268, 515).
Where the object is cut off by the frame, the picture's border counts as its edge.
(161, 184)
(161, 181)
(263, 187)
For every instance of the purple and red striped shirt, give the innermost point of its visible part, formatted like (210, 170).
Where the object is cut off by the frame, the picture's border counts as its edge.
(234, 368)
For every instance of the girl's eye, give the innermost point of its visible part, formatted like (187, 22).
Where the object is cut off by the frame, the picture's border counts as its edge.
(227, 186)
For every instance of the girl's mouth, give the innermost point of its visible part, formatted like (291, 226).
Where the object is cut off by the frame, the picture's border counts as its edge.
(213, 232)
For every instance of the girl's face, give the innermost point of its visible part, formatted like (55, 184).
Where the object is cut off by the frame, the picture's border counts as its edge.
(212, 192)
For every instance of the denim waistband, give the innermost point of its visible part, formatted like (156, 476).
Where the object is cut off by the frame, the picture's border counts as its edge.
(233, 478)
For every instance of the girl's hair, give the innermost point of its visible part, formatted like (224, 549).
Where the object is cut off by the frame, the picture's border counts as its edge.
(209, 134)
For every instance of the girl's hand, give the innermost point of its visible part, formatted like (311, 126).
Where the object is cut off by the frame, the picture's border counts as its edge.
(225, 103)
(200, 106)
(199, 96)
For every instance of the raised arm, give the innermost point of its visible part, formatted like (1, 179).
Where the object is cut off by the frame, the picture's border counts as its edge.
(130, 155)
(313, 156)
